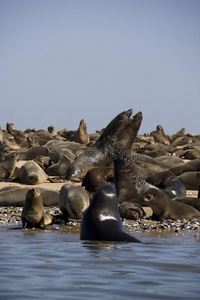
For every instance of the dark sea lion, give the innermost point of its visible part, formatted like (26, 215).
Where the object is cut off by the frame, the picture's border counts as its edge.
(7, 167)
(131, 211)
(73, 201)
(130, 186)
(101, 221)
(120, 133)
(165, 208)
(32, 173)
(33, 214)
(96, 177)
(15, 196)
(169, 182)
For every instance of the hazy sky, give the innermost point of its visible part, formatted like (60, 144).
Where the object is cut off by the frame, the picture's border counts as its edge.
(64, 60)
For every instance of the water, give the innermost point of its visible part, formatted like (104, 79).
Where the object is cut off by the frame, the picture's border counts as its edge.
(55, 264)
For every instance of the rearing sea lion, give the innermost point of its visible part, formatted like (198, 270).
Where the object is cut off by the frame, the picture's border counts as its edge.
(119, 134)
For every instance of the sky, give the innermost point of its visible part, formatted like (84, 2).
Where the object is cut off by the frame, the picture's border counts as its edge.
(66, 60)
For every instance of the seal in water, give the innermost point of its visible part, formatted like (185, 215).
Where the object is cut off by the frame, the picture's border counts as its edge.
(101, 221)
(33, 214)
(165, 208)
(73, 201)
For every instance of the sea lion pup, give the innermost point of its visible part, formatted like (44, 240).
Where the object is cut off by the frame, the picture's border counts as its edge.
(165, 208)
(81, 136)
(73, 201)
(101, 221)
(9, 127)
(33, 214)
(115, 136)
(7, 167)
(96, 177)
(32, 173)
(131, 211)
(169, 182)
(15, 196)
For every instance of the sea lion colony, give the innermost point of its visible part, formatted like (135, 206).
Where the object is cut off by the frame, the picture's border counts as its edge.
(135, 165)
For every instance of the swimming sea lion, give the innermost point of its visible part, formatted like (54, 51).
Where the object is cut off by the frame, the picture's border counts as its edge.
(115, 136)
(32, 173)
(73, 201)
(7, 167)
(101, 221)
(33, 214)
(165, 208)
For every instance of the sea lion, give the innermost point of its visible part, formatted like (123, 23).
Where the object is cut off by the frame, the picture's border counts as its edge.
(101, 221)
(73, 201)
(159, 136)
(165, 208)
(190, 180)
(32, 173)
(168, 182)
(191, 201)
(190, 166)
(131, 211)
(33, 214)
(128, 183)
(81, 136)
(7, 167)
(96, 177)
(120, 133)
(60, 162)
(15, 196)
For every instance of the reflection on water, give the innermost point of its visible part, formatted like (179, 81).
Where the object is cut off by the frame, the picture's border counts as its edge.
(55, 264)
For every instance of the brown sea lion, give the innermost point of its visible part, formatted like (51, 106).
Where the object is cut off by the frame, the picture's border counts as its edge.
(96, 177)
(33, 214)
(190, 166)
(73, 201)
(165, 208)
(7, 167)
(192, 201)
(15, 196)
(190, 180)
(131, 211)
(32, 173)
(81, 136)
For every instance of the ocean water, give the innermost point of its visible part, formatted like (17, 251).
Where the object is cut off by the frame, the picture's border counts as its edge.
(55, 264)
